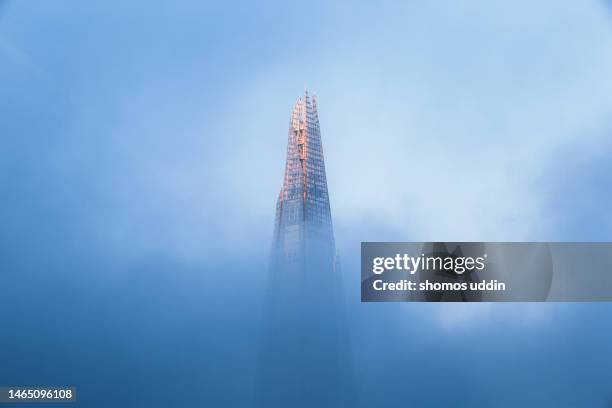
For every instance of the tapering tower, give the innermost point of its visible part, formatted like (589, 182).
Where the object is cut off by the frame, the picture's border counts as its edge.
(303, 216)
(305, 356)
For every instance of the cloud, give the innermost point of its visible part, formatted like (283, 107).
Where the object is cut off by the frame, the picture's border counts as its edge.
(436, 117)
(442, 121)
(455, 318)
(446, 113)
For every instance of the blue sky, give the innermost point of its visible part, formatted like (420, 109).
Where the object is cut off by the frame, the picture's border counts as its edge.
(145, 143)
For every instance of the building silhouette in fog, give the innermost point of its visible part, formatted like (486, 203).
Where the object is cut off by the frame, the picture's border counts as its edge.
(306, 357)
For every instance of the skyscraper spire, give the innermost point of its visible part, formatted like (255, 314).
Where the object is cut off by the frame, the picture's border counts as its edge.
(305, 343)
(303, 216)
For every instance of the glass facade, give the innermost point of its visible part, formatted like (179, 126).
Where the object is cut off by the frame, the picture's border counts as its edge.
(305, 341)
(303, 216)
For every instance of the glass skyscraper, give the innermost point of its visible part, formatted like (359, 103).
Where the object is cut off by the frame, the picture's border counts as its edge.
(305, 341)
(303, 226)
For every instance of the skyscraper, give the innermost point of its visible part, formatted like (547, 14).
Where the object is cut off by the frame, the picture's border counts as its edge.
(303, 218)
(305, 359)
